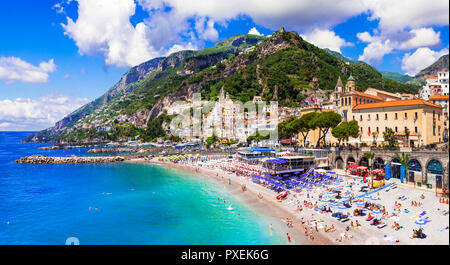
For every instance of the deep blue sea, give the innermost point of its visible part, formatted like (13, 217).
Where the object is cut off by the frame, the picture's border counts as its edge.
(131, 204)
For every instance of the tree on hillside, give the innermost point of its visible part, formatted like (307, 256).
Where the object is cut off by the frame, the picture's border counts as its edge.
(324, 121)
(306, 124)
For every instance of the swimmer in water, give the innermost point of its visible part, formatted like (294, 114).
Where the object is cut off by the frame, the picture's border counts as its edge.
(90, 208)
(271, 227)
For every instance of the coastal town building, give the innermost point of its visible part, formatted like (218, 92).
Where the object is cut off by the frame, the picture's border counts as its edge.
(435, 85)
(415, 122)
(442, 100)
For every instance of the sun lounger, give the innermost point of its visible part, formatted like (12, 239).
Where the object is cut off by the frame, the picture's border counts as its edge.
(382, 226)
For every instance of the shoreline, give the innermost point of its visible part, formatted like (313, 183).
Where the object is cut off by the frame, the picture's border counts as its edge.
(366, 234)
(264, 206)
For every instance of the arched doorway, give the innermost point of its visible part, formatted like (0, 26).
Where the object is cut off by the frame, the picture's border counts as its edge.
(364, 162)
(435, 173)
(378, 163)
(414, 168)
(395, 167)
(350, 160)
(339, 163)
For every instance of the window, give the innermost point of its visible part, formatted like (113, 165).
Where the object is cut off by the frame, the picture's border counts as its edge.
(416, 116)
(439, 117)
(345, 101)
(377, 117)
(434, 130)
(406, 115)
(368, 118)
(378, 130)
(396, 116)
(385, 116)
(416, 130)
(353, 117)
(396, 130)
(360, 117)
(385, 129)
(406, 129)
(361, 130)
(369, 129)
(349, 101)
(439, 130)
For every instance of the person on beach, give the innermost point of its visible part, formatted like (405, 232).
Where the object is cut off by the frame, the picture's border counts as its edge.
(288, 237)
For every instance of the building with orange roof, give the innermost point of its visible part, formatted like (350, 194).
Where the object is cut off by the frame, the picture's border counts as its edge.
(416, 122)
(442, 101)
(436, 85)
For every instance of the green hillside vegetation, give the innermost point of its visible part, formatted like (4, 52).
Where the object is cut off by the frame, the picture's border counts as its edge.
(397, 77)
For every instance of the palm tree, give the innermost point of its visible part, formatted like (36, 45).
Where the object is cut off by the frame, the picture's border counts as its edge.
(369, 156)
(403, 159)
(407, 133)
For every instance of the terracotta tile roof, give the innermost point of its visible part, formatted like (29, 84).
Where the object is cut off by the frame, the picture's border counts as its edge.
(434, 97)
(396, 103)
(432, 77)
(361, 94)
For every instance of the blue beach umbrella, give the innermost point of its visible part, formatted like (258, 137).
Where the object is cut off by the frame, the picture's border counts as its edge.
(376, 212)
(360, 203)
(421, 222)
(342, 207)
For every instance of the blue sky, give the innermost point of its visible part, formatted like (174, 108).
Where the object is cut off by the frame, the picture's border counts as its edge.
(60, 54)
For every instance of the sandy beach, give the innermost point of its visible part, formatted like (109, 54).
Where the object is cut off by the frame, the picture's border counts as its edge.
(309, 224)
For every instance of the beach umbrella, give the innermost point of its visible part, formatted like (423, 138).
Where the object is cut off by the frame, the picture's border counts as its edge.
(376, 212)
(342, 207)
(360, 203)
(296, 173)
(421, 222)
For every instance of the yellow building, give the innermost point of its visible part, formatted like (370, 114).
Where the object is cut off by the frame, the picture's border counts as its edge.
(423, 119)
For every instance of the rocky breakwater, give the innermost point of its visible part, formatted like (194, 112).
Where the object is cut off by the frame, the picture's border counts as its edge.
(41, 159)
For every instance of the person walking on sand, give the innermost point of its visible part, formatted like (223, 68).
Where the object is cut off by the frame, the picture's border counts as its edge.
(229, 181)
(288, 237)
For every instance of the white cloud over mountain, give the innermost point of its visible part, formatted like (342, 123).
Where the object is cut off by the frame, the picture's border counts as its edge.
(103, 27)
(35, 114)
(14, 69)
(326, 39)
(413, 63)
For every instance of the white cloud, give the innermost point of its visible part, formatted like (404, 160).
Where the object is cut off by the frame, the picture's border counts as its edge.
(403, 25)
(422, 37)
(103, 28)
(36, 114)
(178, 47)
(15, 69)
(254, 31)
(420, 59)
(401, 14)
(374, 52)
(326, 39)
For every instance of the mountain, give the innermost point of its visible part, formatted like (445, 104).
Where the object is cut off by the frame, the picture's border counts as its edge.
(397, 77)
(281, 67)
(390, 75)
(440, 65)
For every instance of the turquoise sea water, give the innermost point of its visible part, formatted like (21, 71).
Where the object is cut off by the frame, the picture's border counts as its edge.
(136, 204)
